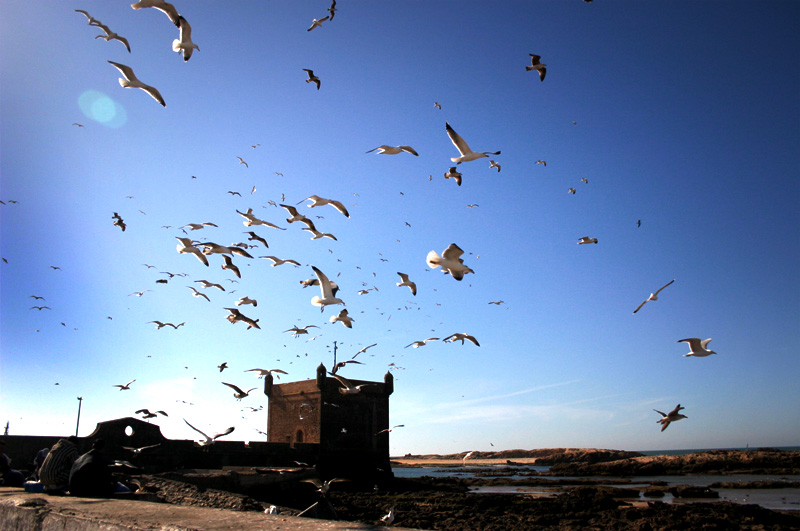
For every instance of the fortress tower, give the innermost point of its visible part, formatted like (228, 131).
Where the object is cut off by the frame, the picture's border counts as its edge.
(346, 427)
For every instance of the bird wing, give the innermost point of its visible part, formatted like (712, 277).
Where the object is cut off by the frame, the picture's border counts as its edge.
(344, 381)
(234, 388)
(145, 411)
(126, 71)
(226, 432)
(694, 343)
(195, 429)
(186, 29)
(324, 283)
(640, 306)
(705, 343)
(453, 252)
(660, 413)
(409, 149)
(457, 141)
(664, 286)
(338, 205)
(675, 411)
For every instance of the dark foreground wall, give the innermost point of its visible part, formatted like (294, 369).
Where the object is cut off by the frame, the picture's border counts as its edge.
(169, 454)
(183, 454)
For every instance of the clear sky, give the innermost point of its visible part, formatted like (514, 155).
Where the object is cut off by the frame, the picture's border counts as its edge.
(683, 115)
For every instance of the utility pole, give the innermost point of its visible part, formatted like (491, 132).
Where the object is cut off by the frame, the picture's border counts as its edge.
(334, 354)
(80, 402)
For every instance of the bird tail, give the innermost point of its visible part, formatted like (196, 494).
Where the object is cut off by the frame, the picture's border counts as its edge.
(315, 300)
(124, 83)
(433, 260)
(176, 45)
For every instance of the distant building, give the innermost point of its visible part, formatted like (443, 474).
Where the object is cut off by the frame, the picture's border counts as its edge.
(348, 428)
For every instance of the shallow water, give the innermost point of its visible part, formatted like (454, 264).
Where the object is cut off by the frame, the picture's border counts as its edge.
(782, 499)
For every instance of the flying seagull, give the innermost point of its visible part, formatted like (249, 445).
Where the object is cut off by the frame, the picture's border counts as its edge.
(672, 416)
(209, 440)
(407, 282)
(112, 36)
(198, 293)
(239, 394)
(137, 451)
(131, 81)
(92, 21)
(251, 219)
(146, 413)
(586, 240)
(312, 78)
(187, 246)
(343, 318)
(347, 387)
(699, 349)
(207, 284)
(450, 261)
(40, 308)
(343, 364)
(417, 344)
(184, 43)
(322, 486)
(316, 23)
(536, 65)
(653, 296)
(119, 222)
(222, 366)
(389, 430)
(279, 261)
(326, 290)
(264, 372)
(236, 315)
(493, 164)
(461, 336)
(165, 7)
(393, 150)
(452, 173)
(125, 387)
(241, 161)
(321, 201)
(255, 237)
(466, 153)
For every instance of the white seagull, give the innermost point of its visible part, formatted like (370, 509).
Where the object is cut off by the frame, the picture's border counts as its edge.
(653, 296)
(407, 282)
(417, 344)
(316, 23)
(586, 240)
(389, 517)
(321, 201)
(207, 284)
(246, 300)
(452, 173)
(264, 372)
(316, 235)
(449, 261)
(231, 266)
(343, 318)
(461, 336)
(251, 219)
(296, 216)
(278, 261)
(198, 293)
(536, 65)
(393, 150)
(672, 416)
(111, 36)
(184, 44)
(239, 394)
(348, 388)
(699, 349)
(131, 81)
(299, 330)
(208, 441)
(92, 21)
(326, 290)
(466, 153)
(493, 164)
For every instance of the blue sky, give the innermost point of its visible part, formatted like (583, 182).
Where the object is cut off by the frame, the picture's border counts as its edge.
(683, 115)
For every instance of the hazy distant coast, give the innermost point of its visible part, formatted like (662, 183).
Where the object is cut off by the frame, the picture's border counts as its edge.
(603, 462)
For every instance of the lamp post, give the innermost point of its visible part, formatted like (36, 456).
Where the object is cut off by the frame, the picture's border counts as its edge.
(80, 401)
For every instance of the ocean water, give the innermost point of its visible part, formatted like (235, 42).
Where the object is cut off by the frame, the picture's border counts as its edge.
(787, 499)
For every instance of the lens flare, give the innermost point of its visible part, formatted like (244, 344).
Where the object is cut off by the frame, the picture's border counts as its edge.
(101, 108)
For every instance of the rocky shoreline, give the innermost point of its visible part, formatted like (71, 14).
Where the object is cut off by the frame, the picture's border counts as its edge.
(447, 504)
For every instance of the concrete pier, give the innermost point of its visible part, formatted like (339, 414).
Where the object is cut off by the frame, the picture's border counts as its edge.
(23, 511)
